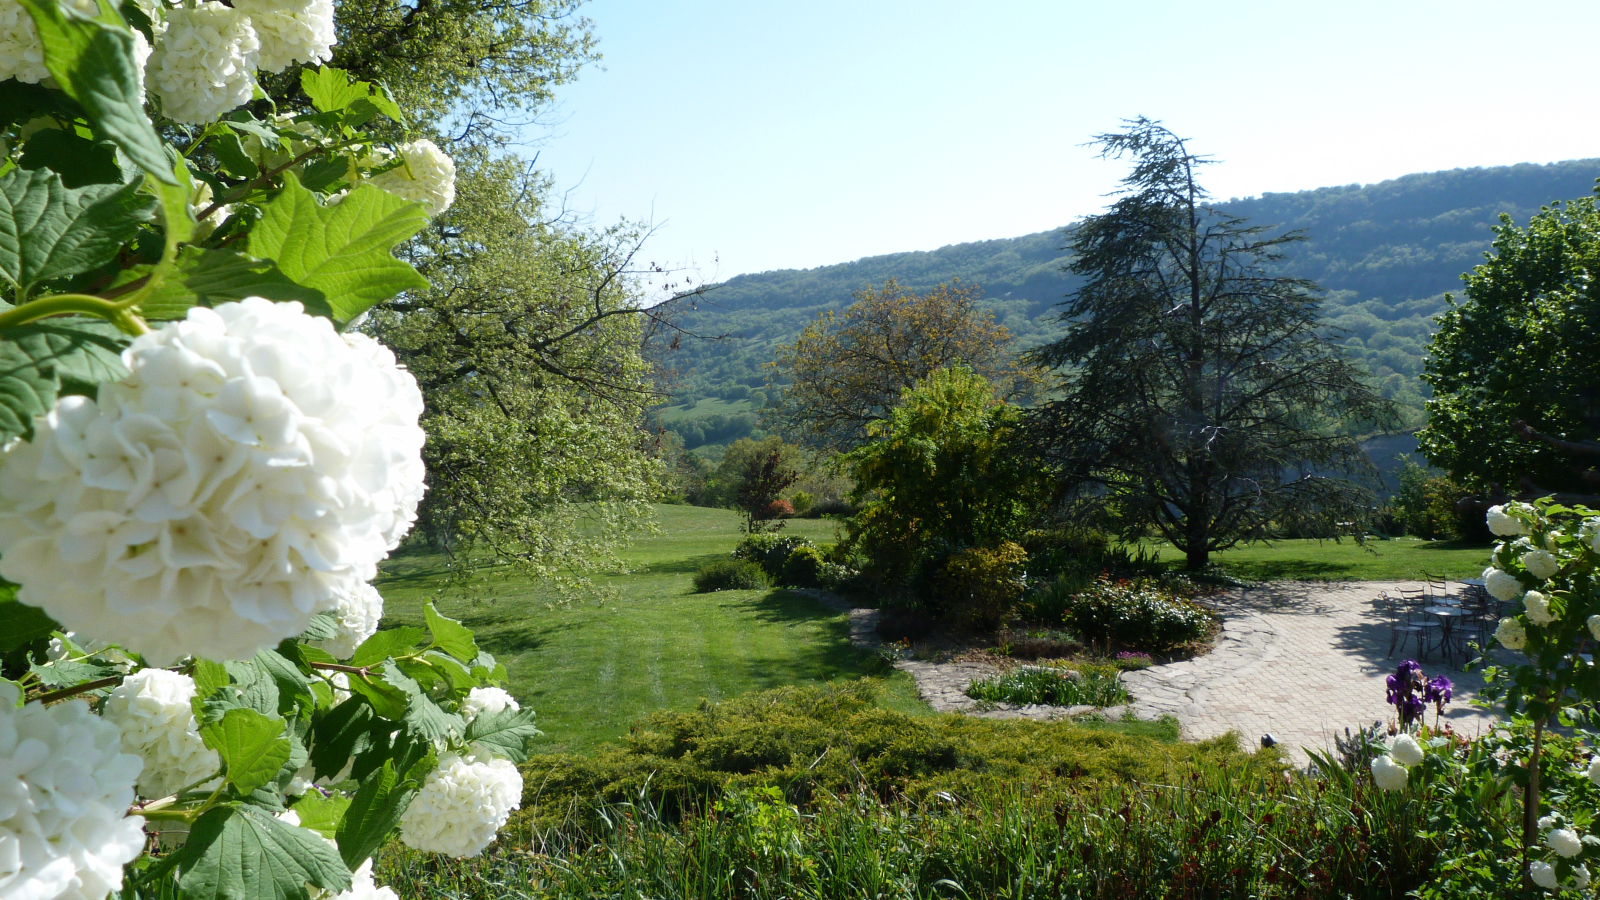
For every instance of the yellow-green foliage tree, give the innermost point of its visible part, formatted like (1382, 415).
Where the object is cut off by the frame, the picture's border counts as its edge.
(845, 372)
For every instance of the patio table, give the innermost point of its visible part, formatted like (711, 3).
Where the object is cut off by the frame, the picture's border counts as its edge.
(1447, 616)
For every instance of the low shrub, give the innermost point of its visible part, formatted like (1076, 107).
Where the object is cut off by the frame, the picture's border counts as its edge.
(1052, 550)
(777, 509)
(979, 587)
(1048, 601)
(837, 507)
(1093, 686)
(770, 551)
(729, 575)
(804, 568)
(1143, 614)
(810, 741)
(801, 501)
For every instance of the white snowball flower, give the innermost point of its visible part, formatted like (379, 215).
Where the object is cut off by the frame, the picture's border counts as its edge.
(1594, 626)
(291, 31)
(364, 887)
(252, 467)
(1580, 877)
(21, 54)
(1537, 606)
(1390, 775)
(1503, 524)
(1594, 770)
(1541, 564)
(1511, 634)
(1543, 874)
(358, 612)
(486, 700)
(1564, 841)
(427, 176)
(204, 62)
(65, 787)
(461, 806)
(152, 709)
(1501, 585)
(1405, 750)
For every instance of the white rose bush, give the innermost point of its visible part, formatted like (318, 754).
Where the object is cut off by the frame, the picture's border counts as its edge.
(202, 465)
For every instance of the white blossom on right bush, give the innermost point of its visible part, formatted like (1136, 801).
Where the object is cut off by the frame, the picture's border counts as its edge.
(65, 788)
(427, 176)
(1501, 585)
(360, 608)
(291, 31)
(1537, 605)
(1405, 750)
(1503, 524)
(204, 62)
(1390, 775)
(1564, 841)
(461, 805)
(1511, 634)
(1543, 874)
(1541, 564)
(482, 700)
(152, 709)
(253, 467)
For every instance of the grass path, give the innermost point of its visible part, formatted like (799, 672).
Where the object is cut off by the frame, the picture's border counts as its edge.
(592, 668)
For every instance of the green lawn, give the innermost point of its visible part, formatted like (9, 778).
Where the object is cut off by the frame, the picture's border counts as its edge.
(708, 406)
(592, 668)
(1309, 560)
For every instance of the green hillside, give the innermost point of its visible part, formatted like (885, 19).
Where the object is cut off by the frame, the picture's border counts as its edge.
(1386, 253)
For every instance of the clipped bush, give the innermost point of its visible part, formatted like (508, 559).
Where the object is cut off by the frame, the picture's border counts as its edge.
(729, 575)
(1141, 614)
(979, 587)
(804, 567)
(770, 551)
(801, 501)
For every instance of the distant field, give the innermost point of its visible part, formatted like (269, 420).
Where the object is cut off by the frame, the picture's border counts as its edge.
(591, 669)
(1307, 560)
(708, 406)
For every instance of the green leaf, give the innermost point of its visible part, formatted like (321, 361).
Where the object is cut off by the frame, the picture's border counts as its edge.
(292, 683)
(450, 635)
(323, 627)
(376, 809)
(252, 747)
(36, 359)
(338, 735)
(244, 853)
(343, 251)
(321, 175)
(230, 152)
(78, 160)
(426, 719)
(208, 276)
(387, 701)
(94, 63)
(253, 688)
(384, 644)
(322, 814)
(331, 90)
(209, 677)
(505, 733)
(48, 230)
(68, 672)
(22, 624)
(20, 103)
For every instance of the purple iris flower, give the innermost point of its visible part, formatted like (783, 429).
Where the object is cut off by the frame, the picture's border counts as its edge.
(1410, 691)
(1438, 692)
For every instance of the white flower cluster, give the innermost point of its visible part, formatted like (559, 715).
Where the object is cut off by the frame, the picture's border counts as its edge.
(152, 710)
(359, 610)
(1501, 521)
(65, 787)
(1501, 585)
(1511, 634)
(291, 31)
(427, 176)
(362, 884)
(482, 700)
(252, 468)
(21, 54)
(1537, 606)
(461, 805)
(1391, 770)
(204, 62)
(1565, 843)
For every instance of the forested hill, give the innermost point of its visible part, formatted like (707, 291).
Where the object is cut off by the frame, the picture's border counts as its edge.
(1385, 252)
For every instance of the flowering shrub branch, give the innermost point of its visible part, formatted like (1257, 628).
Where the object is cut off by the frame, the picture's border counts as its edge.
(201, 468)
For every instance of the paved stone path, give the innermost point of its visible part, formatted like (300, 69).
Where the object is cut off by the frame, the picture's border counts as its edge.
(1301, 661)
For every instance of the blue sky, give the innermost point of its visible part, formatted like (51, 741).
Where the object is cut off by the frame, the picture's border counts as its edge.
(761, 135)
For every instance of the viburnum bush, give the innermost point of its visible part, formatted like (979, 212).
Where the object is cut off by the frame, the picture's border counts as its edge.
(201, 467)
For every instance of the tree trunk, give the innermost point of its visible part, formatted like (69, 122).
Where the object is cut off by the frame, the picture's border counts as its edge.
(1530, 806)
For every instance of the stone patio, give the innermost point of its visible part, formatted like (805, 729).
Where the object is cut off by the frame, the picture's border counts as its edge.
(1301, 661)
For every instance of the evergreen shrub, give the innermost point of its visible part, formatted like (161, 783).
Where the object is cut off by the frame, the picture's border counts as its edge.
(729, 575)
(1141, 614)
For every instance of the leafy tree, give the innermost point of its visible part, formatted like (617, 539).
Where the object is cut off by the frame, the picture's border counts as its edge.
(1197, 390)
(527, 348)
(844, 373)
(946, 470)
(474, 64)
(1425, 503)
(725, 486)
(765, 477)
(1523, 346)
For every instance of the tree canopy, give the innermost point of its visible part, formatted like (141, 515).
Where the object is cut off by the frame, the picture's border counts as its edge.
(845, 372)
(526, 346)
(1523, 345)
(1196, 389)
